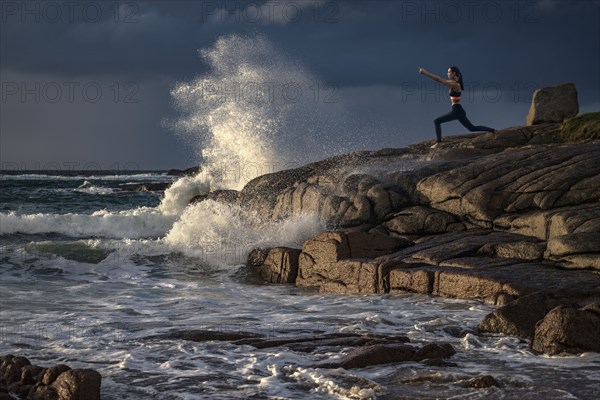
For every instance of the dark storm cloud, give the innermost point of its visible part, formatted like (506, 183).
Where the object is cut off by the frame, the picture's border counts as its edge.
(370, 49)
(350, 42)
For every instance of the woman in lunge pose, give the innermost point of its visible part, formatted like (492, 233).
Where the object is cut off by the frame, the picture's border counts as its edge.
(455, 82)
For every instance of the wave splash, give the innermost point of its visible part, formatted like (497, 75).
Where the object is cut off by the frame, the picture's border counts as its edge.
(254, 112)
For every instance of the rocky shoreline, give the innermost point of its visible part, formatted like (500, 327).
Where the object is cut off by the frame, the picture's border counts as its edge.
(511, 218)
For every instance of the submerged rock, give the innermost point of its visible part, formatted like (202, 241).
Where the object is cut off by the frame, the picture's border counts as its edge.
(377, 354)
(385, 354)
(482, 381)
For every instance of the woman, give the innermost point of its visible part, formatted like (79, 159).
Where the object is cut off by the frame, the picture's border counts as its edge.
(455, 82)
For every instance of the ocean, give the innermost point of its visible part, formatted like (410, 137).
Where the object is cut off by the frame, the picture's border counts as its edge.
(90, 274)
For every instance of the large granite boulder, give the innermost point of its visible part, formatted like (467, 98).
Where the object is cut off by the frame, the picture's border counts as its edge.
(566, 329)
(276, 265)
(338, 259)
(519, 317)
(78, 384)
(553, 104)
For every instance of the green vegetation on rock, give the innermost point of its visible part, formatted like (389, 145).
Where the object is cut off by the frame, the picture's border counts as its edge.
(581, 127)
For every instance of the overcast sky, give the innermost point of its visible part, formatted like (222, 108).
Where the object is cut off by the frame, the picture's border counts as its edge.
(89, 84)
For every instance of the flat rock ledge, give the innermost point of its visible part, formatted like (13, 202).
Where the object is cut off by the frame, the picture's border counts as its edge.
(26, 381)
(355, 350)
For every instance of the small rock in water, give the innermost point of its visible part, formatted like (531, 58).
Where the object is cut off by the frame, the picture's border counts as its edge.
(377, 354)
(483, 381)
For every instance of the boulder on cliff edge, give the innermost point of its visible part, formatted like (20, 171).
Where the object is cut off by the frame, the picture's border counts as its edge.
(553, 104)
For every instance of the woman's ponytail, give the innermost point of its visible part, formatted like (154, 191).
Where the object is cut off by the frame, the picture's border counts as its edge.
(460, 78)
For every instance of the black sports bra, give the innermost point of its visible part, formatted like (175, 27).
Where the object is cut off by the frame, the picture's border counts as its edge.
(454, 95)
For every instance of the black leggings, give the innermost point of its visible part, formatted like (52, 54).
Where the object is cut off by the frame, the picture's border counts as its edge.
(457, 113)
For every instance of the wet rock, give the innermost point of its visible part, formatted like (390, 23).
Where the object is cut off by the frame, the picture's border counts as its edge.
(385, 200)
(40, 375)
(385, 353)
(199, 335)
(327, 341)
(43, 392)
(27, 376)
(224, 196)
(6, 359)
(20, 362)
(276, 265)
(186, 172)
(421, 220)
(553, 104)
(567, 329)
(52, 373)
(377, 354)
(78, 384)
(519, 317)
(592, 307)
(144, 187)
(336, 259)
(23, 391)
(12, 373)
(434, 351)
(482, 382)
(257, 257)
(438, 362)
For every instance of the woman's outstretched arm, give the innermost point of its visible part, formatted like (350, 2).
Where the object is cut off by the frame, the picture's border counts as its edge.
(437, 78)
